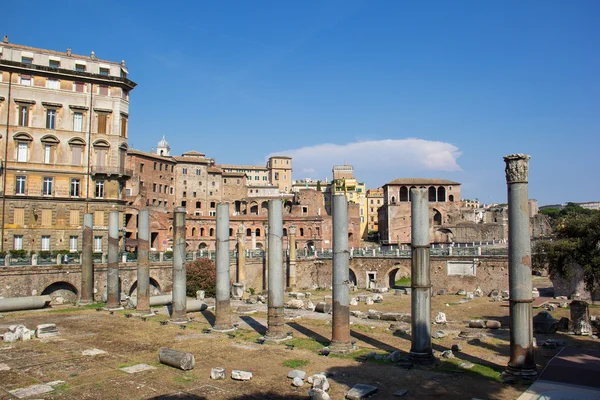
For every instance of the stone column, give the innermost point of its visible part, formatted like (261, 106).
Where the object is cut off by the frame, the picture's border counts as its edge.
(113, 297)
(143, 258)
(292, 245)
(266, 259)
(87, 262)
(340, 336)
(253, 237)
(521, 361)
(420, 350)
(222, 302)
(241, 255)
(179, 278)
(275, 321)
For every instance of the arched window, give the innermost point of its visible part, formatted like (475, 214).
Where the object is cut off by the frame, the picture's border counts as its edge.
(410, 193)
(49, 143)
(230, 232)
(211, 232)
(301, 231)
(403, 193)
(441, 196)
(264, 207)
(437, 217)
(193, 232)
(248, 232)
(201, 231)
(257, 232)
(284, 232)
(432, 194)
(101, 148)
(451, 197)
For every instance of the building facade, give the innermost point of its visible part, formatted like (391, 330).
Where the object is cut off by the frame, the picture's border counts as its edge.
(161, 182)
(64, 121)
(355, 191)
(374, 201)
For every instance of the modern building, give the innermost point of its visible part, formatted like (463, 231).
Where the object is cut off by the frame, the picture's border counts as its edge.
(374, 201)
(161, 182)
(355, 191)
(64, 122)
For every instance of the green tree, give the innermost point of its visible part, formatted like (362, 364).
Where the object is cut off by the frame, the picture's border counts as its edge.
(319, 186)
(576, 242)
(201, 274)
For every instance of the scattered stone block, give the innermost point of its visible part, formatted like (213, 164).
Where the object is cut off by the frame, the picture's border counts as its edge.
(134, 369)
(297, 382)
(369, 301)
(307, 295)
(560, 297)
(294, 304)
(476, 323)
(478, 292)
(323, 307)
(494, 293)
(362, 297)
(466, 365)
(581, 318)
(10, 337)
(353, 301)
(438, 334)
(440, 318)
(399, 292)
(46, 330)
(543, 322)
(447, 354)
(374, 314)
(550, 306)
(564, 304)
(456, 347)
(394, 316)
(328, 297)
(469, 296)
(395, 356)
(245, 310)
(318, 394)
(535, 293)
(92, 352)
(261, 298)
(358, 314)
(239, 375)
(217, 373)
(251, 300)
(297, 295)
(461, 292)
(361, 391)
(401, 393)
(319, 381)
(505, 294)
(310, 306)
(491, 324)
(377, 298)
(200, 294)
(401, 327)
(296, 373)
(34, 390)
(4, 367)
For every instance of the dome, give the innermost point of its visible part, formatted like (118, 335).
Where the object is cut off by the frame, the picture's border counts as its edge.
(163, 148)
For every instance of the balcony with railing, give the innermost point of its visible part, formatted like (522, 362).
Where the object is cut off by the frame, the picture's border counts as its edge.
(111, 170)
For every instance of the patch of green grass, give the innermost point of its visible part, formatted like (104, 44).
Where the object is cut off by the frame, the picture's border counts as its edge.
(245, 335)
(483, 371)
(306, 344)
(294, 363)
(74, 308)
(184, 378)
(63, 387)
(403, 281)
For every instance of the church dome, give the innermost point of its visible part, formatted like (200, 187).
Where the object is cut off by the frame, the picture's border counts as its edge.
(163, 148)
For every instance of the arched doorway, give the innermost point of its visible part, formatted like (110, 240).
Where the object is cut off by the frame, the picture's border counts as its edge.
(61, 292)
(353, 280)
(154, 288)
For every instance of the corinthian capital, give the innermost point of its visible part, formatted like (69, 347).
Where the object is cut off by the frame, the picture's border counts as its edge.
(517, 168)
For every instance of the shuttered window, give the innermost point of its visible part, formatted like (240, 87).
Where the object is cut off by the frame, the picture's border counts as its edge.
(102, 122)
(98, 218)
(19, 216)
(46, 217)
(74, 217)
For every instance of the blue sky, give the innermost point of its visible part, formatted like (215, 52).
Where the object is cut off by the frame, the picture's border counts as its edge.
(395, 88)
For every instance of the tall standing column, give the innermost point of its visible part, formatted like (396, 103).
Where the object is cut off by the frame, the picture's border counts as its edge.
(340, 337)
(420, 350)
(113, 297)
(179, 278)
(292, 245)
(253, 238)
(275, 272)
(143, 270)
(521, 361)
(241, 255)
(222, 302)
(87, 262)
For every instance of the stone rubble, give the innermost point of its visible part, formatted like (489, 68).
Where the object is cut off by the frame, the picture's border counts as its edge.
(296, 373)
(543, 322)
(297, 382)
(46, 330)
(310, 306)
(476, 323)
(239, 375)
(297, 295)
(361, 391)
(438, 334)
(377, 298)
(353, 301)
(491, 324)
(294, 304)
(440, 318)
(217, 373)
(478, 292)
(401, 393)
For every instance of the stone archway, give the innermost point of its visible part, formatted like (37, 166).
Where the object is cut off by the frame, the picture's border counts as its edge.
(398, 273)
(154, 288)
(61, 292)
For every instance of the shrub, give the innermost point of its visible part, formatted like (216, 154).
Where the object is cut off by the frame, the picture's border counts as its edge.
(201, 274)
(18, 253)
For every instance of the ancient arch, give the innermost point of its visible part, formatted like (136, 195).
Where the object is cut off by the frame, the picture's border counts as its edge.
(202, 232)
(441, 195)
(202, 246)
(301, 231)
(257, 232)
(254, 208)
(193, 231)
(432, 194)
(353, 277)
(397, 272)
(154, 287)
(64, 290)
(410, 193)
(287, 207)
(451, 197)
(248, 232)
(211, 232)
(403, 193)
(264, 208)
(437, 217)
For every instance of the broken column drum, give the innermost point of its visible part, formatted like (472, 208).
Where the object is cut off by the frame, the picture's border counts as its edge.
(143, 258)
(340, 335)
(222, 301)
(420, 350)
(292, 246)
(113, 297)
(275, 330)
(179, 277)
(87, 262)
(521, 361)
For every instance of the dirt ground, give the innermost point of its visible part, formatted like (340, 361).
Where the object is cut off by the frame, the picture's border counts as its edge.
(130, 341)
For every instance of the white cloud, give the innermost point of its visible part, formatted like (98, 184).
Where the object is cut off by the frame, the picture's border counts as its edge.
(376, 160)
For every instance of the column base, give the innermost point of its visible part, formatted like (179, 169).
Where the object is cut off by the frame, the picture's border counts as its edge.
(85, 302)
(512, 373)
(179, 321)
(421, 358)
(342, 347)
(222, 328)
(276, 339)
